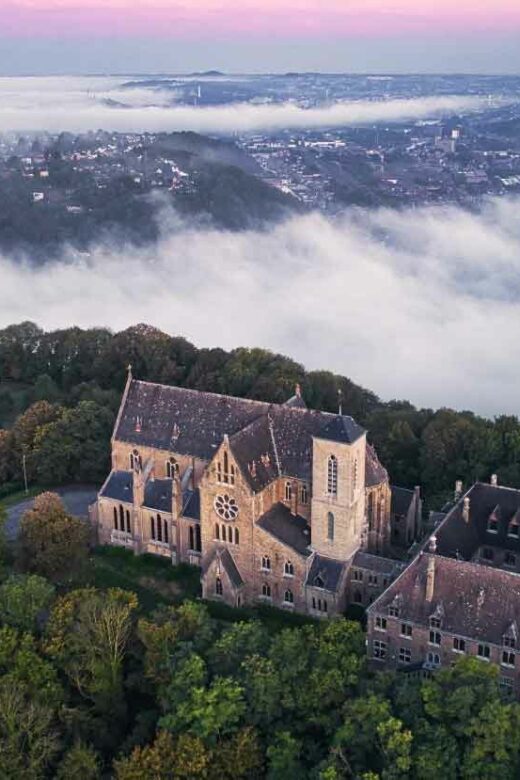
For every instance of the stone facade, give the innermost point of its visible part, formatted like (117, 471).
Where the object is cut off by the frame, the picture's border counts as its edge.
(271, 501)
(460, 595)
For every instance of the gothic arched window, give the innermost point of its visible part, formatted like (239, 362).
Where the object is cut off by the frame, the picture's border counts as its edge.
(237, 537)
(266, 590)
(330, 526)
(115, 518)
(288, 491)
(266, 563)
(218, 586)
(288, 597)
(332, 476)
(288, 569)
(121, 518)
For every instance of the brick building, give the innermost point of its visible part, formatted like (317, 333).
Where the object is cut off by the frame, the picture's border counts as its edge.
(275, 503)
(460, 595)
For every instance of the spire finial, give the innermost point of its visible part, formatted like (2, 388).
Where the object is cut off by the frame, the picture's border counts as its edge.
(298, 390)
(129, 370)
(340, 402)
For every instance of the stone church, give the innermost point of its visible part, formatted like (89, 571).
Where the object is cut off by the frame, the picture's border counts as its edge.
(276, 504)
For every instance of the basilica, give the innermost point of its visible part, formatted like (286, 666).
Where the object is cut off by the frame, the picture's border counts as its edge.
(276, 503)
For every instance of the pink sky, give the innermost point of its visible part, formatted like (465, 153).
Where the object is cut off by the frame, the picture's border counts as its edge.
(255, 18)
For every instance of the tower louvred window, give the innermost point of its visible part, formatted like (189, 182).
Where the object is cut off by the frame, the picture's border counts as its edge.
(332, 475)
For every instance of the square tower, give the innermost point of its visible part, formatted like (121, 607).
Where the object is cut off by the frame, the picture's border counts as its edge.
(338, 489)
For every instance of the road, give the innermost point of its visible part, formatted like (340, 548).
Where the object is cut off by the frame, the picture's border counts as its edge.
(77, 500)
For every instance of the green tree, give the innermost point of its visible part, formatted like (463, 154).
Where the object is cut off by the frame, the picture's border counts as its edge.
(21, 662)
(80, 762)
(210, 712)
(87, 637)
(75, 446)
(24, 599)
(168, 758)
(283, 758)
(28, 737)
(236, 643)
(51, 542)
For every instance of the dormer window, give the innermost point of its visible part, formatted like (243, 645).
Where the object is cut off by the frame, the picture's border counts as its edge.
(172, 468)
(513, 529)
(332, 476)
(493, 521)
(510, 637)
(435, 622)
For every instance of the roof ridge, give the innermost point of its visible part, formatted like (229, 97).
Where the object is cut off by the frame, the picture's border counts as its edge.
(241, 399)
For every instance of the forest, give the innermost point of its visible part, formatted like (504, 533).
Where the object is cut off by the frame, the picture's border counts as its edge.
(96, 684)
(60, 391)
(112, 667)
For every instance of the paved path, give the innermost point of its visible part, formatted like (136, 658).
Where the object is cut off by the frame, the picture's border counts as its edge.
(76, 498)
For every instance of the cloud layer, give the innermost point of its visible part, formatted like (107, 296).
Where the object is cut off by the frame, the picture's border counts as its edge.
(79, 104)
(423, 305)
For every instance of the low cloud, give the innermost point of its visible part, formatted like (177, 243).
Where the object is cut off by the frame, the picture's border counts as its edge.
(80, 104)
(419, 304)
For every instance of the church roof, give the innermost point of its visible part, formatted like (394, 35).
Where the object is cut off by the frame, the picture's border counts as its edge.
(223, 557)
(291, 530)
(477, 602)
(401, 500)
(191, 504)
(325, 573)
(119, 486)
(190, 422)
(375, 473)
(158, 495)
(458, 538)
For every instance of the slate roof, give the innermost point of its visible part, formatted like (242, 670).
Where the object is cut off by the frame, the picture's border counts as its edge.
(224, 557)
(456, 538)
(328, 570)
(119, 486)
(158, 495)
(341, 429)
(477, 602)
(191, 504)
(401, 500)
(375, 473)
(291, 530)
(190, 422)
(376, 563)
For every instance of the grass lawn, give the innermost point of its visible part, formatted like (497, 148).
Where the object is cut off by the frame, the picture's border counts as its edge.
(156, 582)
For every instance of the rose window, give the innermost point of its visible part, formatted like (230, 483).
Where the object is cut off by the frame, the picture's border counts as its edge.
(226, 507)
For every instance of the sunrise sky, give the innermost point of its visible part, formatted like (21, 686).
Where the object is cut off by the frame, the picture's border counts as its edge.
(129, 35)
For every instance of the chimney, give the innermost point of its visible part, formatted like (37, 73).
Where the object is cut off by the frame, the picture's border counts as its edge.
(465, 510)
(494, 480)
(458, 489)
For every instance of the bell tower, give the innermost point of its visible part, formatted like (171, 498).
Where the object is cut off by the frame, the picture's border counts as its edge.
(338, 489)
